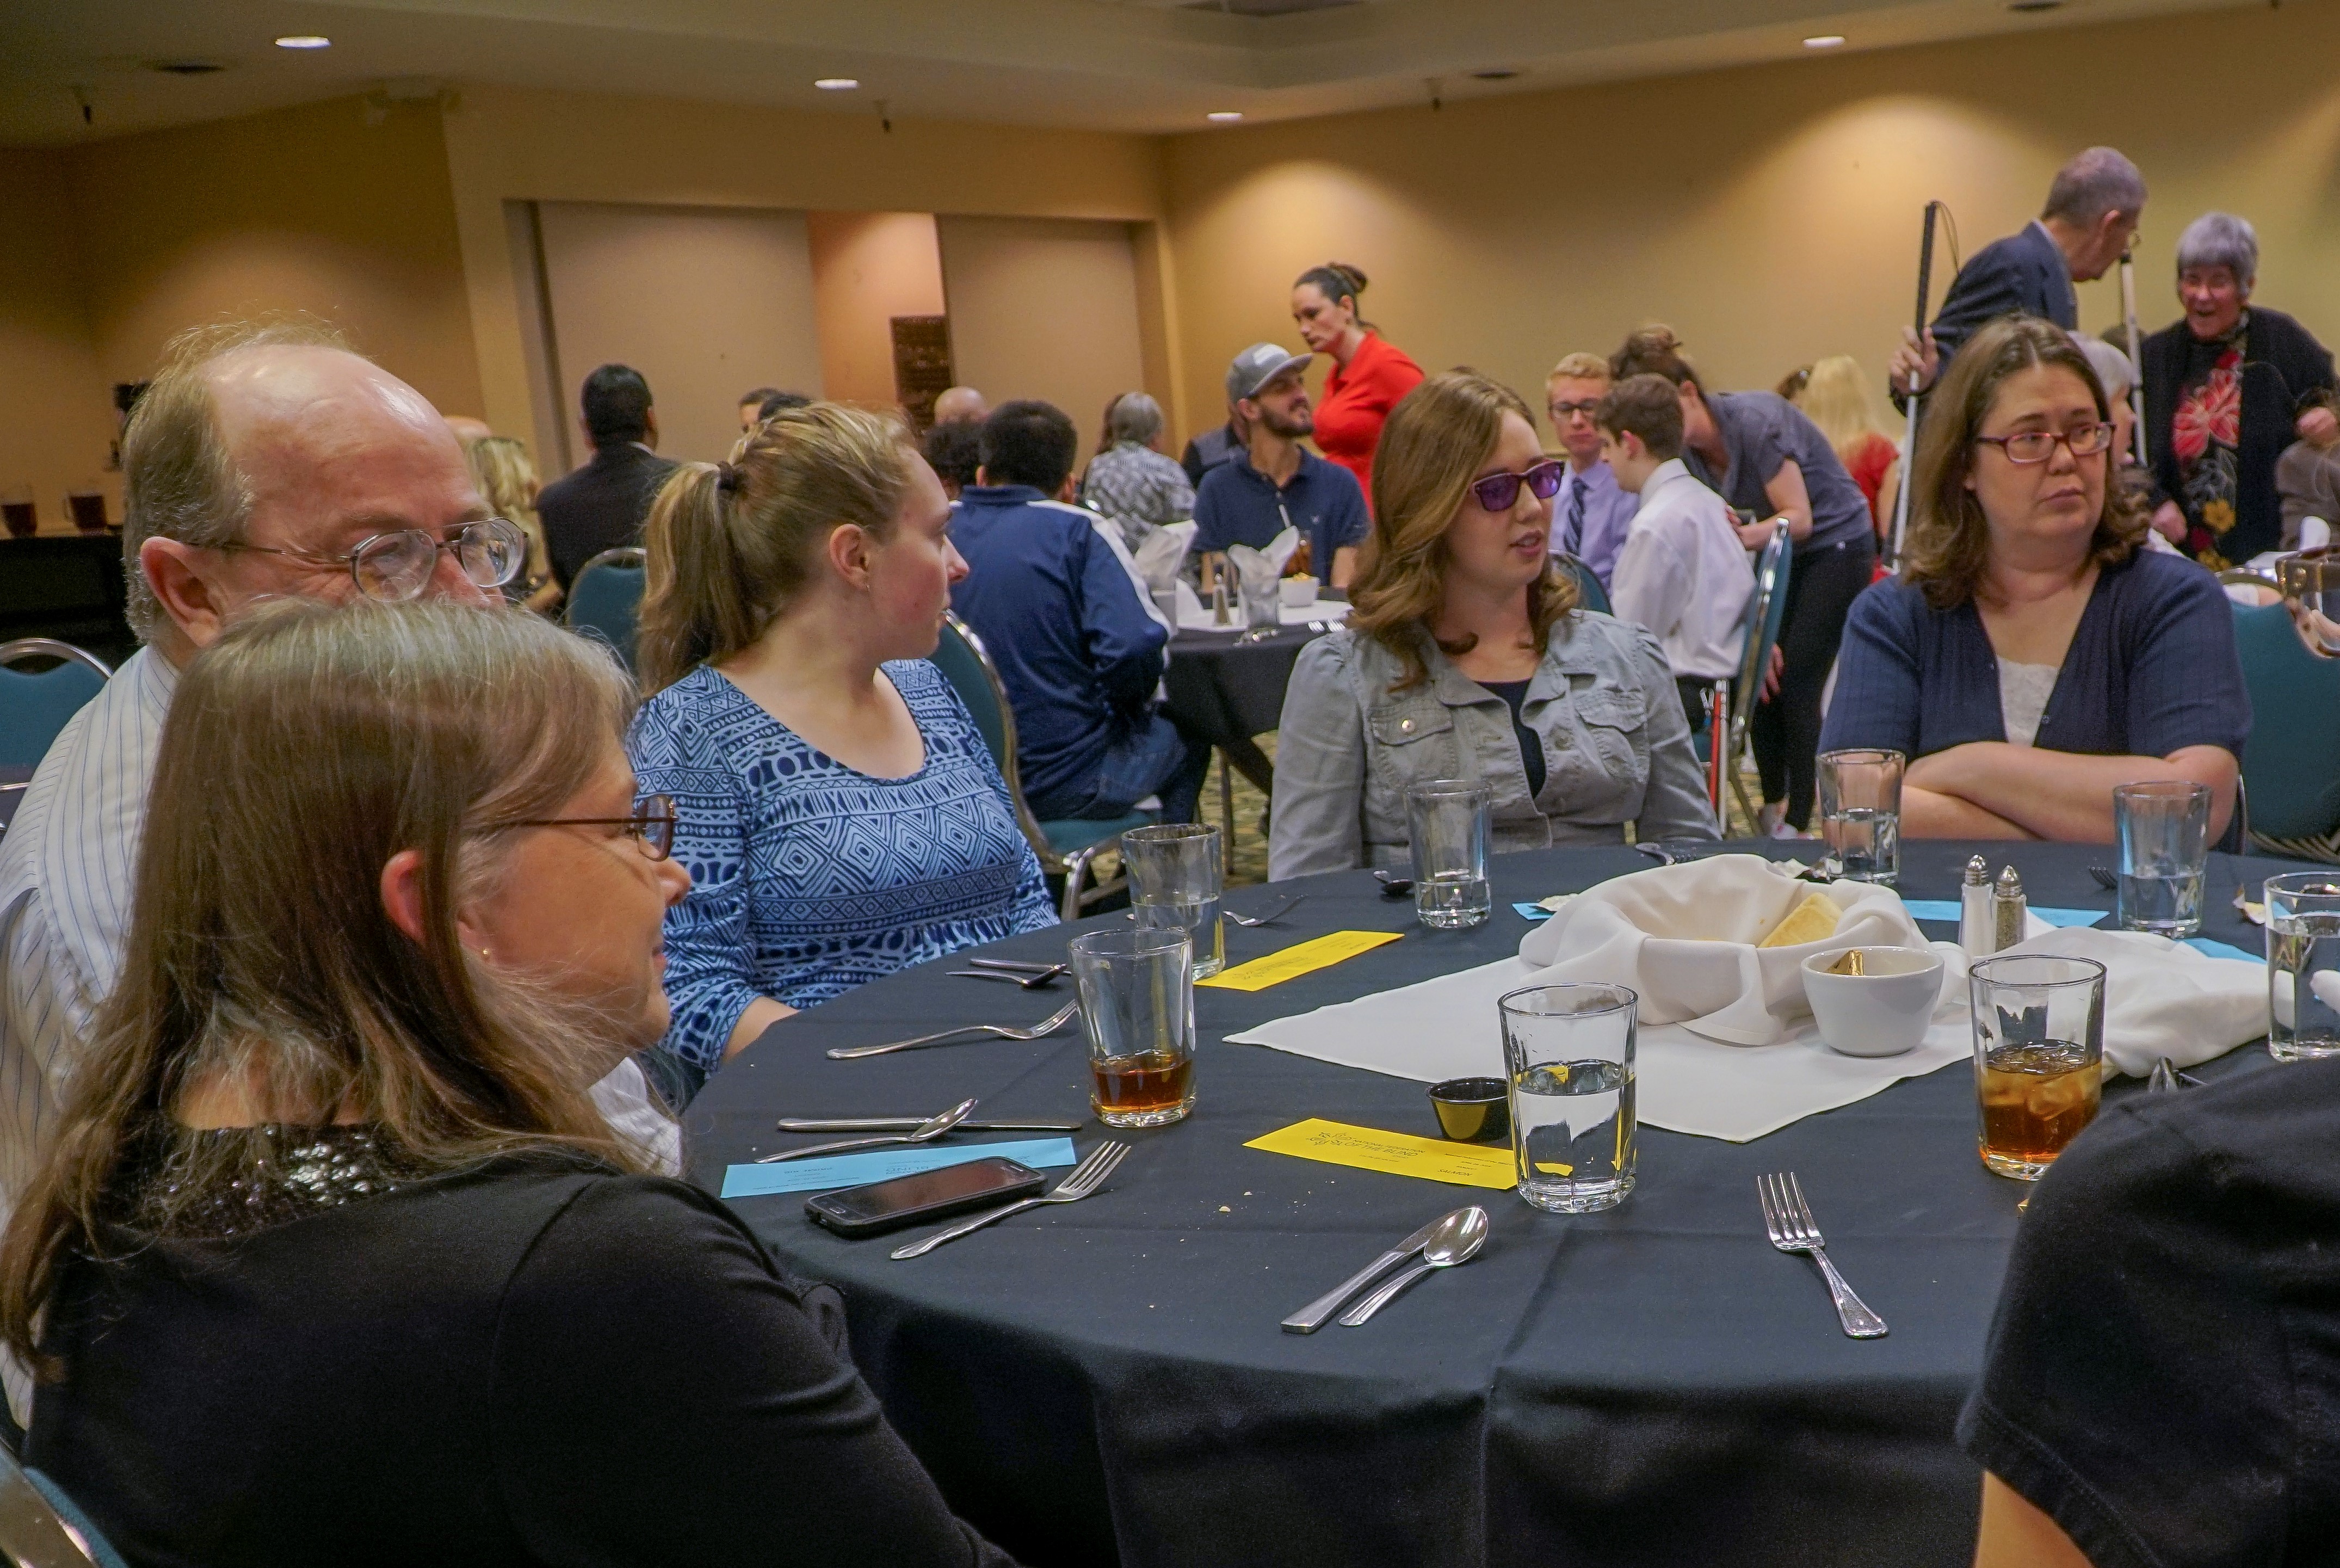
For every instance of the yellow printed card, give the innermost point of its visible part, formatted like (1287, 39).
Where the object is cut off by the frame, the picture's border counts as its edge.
(1399, 1154)
(1300, 958)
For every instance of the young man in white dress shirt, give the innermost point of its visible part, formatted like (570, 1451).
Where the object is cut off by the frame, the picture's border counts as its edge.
(258, 462)
(1683, 574)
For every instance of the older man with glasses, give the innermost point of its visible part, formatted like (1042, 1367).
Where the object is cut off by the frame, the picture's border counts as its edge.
(263, 461)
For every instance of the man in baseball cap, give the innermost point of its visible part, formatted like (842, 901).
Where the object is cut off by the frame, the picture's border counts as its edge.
(1279, 483)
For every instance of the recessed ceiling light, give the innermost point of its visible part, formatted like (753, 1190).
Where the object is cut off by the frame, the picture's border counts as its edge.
(1223, 115)
(2034, 4)
(187, 67)
(305, 40)
(1824, 41)
(838, 84)
(1501, 73)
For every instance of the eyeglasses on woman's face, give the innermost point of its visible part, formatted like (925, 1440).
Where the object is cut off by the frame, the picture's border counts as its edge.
(1500, 492)
(2038, 446)
(651, 824)
(396, 567)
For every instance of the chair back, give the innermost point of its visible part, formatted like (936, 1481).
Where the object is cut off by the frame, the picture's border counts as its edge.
(35, 707)
(1589, 592)
(605, 602)
(41, 1528)
(964, 661)
(1767, 607)
(2291, 763)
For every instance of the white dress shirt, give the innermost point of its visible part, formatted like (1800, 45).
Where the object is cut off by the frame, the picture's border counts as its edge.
(1684, 575)
(66, 869)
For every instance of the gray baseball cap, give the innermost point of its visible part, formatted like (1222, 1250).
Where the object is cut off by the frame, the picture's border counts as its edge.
(1258, 366)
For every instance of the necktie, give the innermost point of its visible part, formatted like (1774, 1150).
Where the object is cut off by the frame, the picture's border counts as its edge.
(1572, 532)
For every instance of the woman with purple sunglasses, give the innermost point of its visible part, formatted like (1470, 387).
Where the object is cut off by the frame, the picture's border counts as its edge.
(1466, 656)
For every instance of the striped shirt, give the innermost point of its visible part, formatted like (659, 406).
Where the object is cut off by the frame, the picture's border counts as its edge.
(67, 869)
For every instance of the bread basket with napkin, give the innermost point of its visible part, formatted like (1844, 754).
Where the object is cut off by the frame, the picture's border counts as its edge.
(1715, 944)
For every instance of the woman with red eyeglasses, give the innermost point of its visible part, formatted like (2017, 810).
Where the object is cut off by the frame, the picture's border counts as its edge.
(1466, 656)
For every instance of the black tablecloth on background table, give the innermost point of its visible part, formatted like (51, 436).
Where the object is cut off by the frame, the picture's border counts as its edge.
(1225, 690)
(1106, 1381)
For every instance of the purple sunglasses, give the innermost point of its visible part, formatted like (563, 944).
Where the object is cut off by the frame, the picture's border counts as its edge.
(1500, 492)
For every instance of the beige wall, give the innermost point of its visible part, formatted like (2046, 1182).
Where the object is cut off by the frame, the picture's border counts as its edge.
(308, 209)
(56, 416)
(705, 304)
(1045, 308)
(867, 269)
(1771, 213)
(520, 145)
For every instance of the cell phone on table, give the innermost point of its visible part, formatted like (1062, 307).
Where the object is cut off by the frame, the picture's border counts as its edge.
(860, 1211)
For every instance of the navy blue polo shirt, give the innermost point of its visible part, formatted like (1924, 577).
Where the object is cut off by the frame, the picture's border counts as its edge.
(1238, 504)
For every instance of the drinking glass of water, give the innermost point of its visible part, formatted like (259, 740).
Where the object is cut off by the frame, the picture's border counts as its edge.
(1137, 1007)
(1568, 1050)
(1174, 873)
(2303, 933)
(2164, 833)
(2040, 1050)
(1446, 821)
(1861, 812)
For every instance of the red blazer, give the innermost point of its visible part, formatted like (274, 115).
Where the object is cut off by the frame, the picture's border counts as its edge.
(1357, 400)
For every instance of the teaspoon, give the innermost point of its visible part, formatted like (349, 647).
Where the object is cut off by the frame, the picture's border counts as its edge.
(1457, 1240)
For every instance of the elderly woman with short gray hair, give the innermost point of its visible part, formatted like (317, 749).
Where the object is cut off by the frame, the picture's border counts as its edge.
(1131, 482)
(2226, 390)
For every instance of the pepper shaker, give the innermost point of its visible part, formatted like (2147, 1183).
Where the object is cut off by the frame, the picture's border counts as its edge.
(2007, 907)
(1976, 932)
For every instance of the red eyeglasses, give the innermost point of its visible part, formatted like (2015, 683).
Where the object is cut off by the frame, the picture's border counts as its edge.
(1500, 492)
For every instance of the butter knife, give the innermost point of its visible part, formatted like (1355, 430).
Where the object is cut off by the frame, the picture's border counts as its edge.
(1317, 1312)
(904, 1124)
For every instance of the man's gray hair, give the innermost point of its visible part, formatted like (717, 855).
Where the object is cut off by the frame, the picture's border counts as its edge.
(2098, 182)
(178, 479)
(2221, 240)
(1135, 417)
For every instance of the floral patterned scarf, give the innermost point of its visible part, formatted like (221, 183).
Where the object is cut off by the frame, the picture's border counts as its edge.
(2207, 429)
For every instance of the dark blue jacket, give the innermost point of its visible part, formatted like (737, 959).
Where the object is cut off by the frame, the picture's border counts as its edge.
(1061, 619)
(2152, 668)
(2024, 272)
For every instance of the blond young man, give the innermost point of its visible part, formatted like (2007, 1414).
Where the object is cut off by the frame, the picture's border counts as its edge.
(1591, 514)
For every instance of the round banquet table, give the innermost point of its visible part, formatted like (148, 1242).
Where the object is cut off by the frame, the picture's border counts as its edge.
(1106, 1381)
(1221, 688)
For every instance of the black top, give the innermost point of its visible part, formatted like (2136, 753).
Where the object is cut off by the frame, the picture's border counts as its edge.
(2284, 372)
(1514, 694)
(533, 1364)
(602, 506)
(2024, 274)
(2166, 1359)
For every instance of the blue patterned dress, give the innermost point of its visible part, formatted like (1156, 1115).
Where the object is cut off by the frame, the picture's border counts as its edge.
(809, 879)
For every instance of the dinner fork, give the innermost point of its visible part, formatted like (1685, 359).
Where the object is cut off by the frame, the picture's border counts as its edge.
(1790, 1220)
(1047, 1025)
(1267, 920)
(1087, 1177)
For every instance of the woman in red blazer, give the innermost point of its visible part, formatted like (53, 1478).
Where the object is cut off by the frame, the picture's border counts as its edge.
(1368, 375)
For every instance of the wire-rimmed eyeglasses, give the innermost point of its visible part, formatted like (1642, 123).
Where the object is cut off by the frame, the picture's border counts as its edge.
(395, 567)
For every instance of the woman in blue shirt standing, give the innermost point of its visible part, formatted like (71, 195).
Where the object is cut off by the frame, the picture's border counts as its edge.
(839, 812)
(2032, 655)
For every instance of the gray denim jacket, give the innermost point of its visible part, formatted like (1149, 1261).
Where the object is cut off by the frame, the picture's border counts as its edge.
(1616, 748)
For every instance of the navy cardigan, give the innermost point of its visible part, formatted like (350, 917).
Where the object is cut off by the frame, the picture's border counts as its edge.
(2152, 668)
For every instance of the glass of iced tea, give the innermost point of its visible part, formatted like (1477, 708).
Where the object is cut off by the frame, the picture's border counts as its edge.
(1138, 1005)
(2040, 1049)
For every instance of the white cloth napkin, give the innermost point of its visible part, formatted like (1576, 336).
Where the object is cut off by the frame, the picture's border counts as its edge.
(2162, 998)
(1161, 552)
(1251, 564)
(1684, 936)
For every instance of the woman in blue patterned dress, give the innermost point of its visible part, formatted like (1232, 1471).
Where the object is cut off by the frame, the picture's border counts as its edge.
(839, 814)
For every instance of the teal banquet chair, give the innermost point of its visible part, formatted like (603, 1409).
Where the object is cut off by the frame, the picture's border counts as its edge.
(1589, 592)
(605, 602)
(35, 707)
(1767, 607)
(2291, 763)
(1066, 849)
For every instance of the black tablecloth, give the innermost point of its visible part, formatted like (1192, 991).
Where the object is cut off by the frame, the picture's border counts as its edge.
(1654, 1385)
(1225, 690)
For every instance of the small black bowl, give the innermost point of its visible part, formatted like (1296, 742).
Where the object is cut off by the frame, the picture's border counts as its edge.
(1472, 1110)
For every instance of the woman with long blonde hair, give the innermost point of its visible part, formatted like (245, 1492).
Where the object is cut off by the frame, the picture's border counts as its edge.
(507, 480)
(334, 1259)
(1835, 395)
(1466, 656)
(814, 752)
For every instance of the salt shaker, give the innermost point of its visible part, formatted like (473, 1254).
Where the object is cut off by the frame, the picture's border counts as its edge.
(2007, 907)
(1974, 930)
